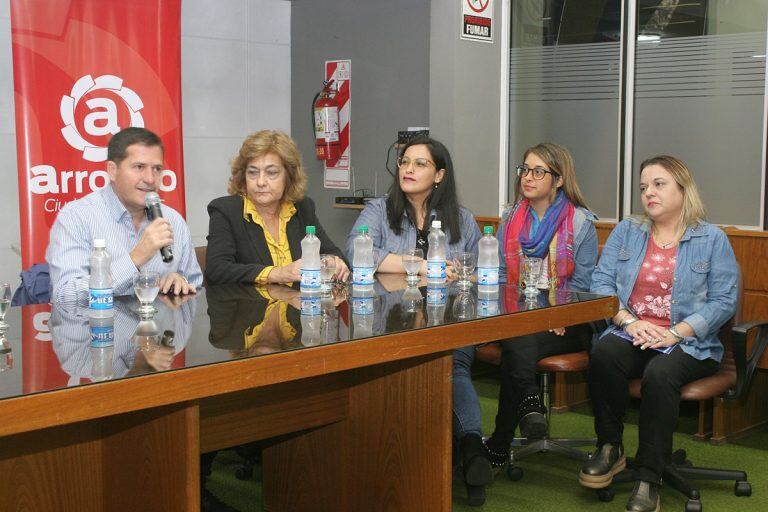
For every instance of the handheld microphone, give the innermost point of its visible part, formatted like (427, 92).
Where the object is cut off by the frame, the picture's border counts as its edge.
(155, 212)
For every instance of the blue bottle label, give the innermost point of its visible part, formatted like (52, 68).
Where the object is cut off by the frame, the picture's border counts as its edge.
(310, 306)
(487, 307)
(436, 269)
(102, 336)
(436, 296)
(488, 276)
(310, 278)
(100, 298)
(362, 276)
(362, 305)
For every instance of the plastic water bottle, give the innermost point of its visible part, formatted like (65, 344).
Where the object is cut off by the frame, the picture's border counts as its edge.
(100, 302)
(362, 259)
(310, 262)
(102, 348)
(436, 254)
(436, 299)
(362, 311)
(488, 261)
(488, 301)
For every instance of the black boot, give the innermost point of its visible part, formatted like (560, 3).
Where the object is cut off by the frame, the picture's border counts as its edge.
(644, 497)
(598, 471)
(475, 464)
(498, 451)
(533, 419)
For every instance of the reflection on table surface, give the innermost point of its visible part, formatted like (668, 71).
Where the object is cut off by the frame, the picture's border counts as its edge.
(56, 346)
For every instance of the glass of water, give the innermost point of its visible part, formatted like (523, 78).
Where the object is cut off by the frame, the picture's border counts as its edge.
(531, 271)
(5, 303)
(412, 261)
(146, 285)
(464, 265)
(327, 271)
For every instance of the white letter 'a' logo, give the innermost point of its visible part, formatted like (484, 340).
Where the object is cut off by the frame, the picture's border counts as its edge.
(106, 113)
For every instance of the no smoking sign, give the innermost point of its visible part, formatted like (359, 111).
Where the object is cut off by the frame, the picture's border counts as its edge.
(477, 20)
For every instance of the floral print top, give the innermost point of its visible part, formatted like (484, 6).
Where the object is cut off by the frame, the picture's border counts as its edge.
(652, 294)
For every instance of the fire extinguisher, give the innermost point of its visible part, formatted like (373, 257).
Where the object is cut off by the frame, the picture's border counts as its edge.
(325, 117)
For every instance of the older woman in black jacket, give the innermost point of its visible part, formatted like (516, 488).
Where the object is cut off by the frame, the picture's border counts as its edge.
(255, 233)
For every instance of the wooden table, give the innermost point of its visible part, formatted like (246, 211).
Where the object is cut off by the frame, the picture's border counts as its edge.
(361, 425)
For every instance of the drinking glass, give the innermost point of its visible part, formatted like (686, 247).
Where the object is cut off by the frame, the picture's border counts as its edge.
(412, 299)
(464, 265)
(412, 261)
(327, 270)
(5, 303)
(146, 285)
(531, 271)
(464, 305)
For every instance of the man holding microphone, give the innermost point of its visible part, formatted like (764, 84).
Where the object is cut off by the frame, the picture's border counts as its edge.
(118, 213)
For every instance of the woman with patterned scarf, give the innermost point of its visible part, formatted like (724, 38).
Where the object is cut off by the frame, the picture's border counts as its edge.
(549, 220)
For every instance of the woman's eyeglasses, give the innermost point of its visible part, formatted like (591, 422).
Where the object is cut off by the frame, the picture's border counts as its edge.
(419, 163)
(538, 172)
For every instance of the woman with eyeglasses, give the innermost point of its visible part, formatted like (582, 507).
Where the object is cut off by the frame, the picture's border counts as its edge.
(255, 233)
(549, 221)
(676, 279)
(424, 190)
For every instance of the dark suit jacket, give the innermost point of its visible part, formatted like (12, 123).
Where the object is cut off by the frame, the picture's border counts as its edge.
(234, 309)
(237, 250)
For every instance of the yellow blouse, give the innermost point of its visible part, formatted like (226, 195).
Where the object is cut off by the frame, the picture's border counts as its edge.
(287, 332)
(278, 249)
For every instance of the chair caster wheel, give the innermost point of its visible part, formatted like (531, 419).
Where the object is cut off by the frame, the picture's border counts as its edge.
(243, 473)
(693, 506)
(514, 473)
(678, 457)
(742, 489)
(606, 495)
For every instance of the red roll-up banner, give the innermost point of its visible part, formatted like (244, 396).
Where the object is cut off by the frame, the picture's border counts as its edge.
(83, 70)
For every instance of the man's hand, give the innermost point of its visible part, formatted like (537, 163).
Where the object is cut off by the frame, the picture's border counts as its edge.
(176, 283)
(156, 235)
(174, 302)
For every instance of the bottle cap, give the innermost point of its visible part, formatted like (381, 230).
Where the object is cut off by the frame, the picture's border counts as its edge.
(362, 229)
(100, 243)
(437, 224)
(488, 230)
(310, 230)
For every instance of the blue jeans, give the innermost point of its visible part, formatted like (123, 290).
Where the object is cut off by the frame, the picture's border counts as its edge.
(466, 406)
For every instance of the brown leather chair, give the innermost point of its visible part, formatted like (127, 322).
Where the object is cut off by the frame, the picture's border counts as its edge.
(570, 362)
(732, 381)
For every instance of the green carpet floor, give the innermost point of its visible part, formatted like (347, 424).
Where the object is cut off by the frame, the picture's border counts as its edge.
(550, 482)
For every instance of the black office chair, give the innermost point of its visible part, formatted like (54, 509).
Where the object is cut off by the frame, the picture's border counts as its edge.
(562, 363)
(732, 381)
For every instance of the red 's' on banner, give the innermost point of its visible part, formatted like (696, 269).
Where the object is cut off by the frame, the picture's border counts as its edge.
(84, 69)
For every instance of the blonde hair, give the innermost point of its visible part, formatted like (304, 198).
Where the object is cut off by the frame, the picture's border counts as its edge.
(693, 209)
(263, 143)
(559, 160)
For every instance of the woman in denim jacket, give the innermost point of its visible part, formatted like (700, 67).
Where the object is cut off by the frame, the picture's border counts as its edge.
(676, 279)
(424, 189)
(549, 221)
